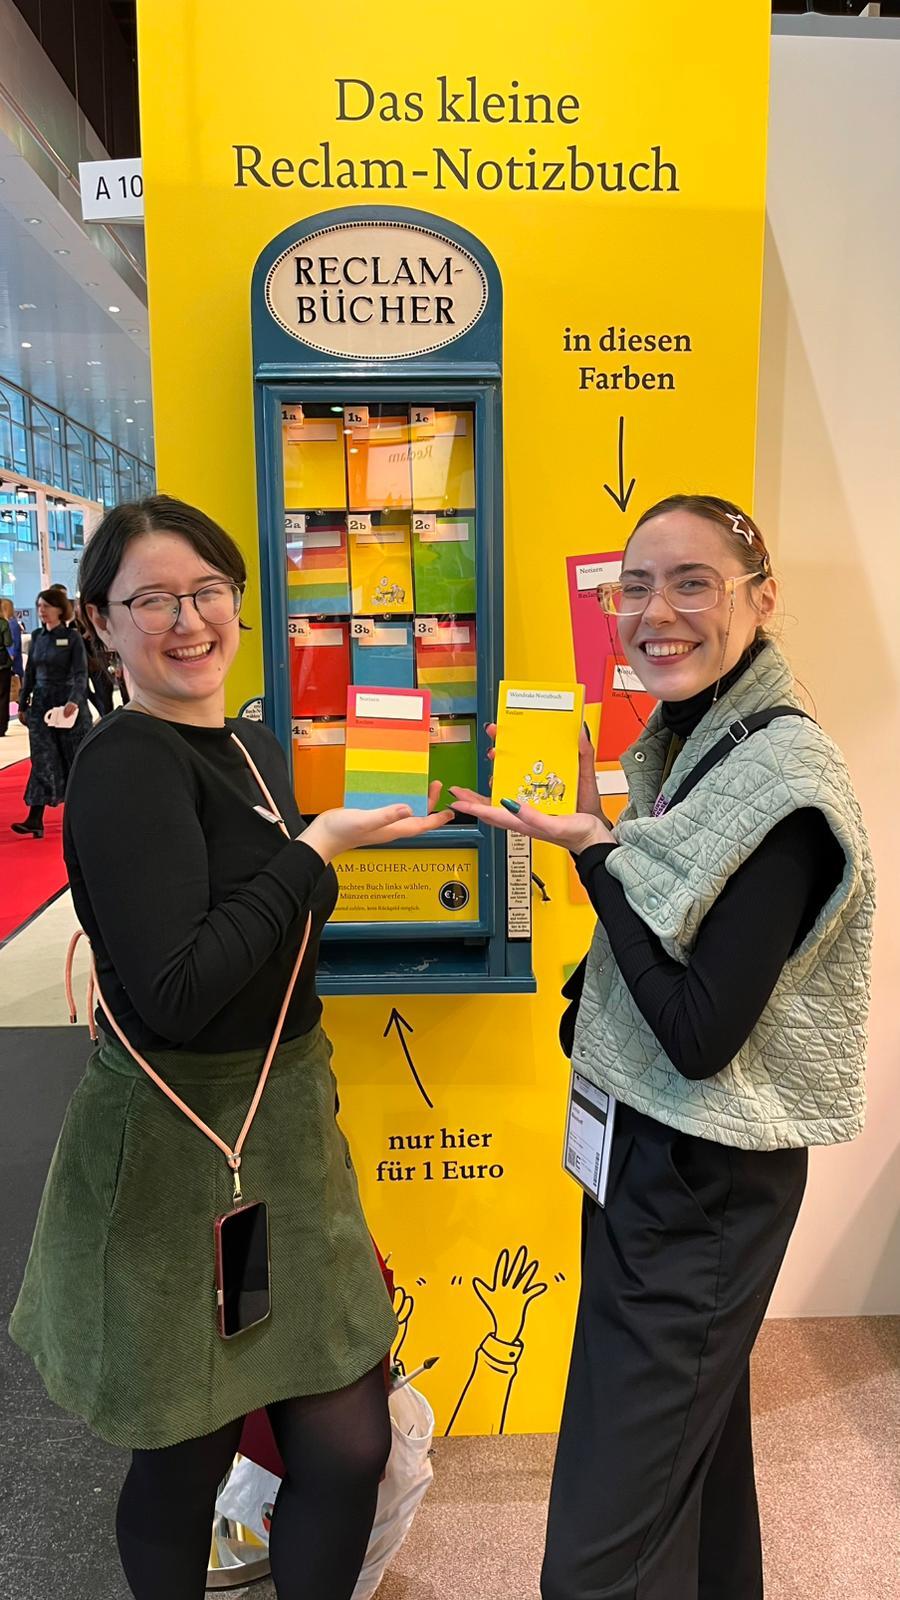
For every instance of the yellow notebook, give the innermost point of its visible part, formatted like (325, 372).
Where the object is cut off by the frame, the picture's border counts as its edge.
(538, 725)
(443, 461)
(314, 464)
(380, 564)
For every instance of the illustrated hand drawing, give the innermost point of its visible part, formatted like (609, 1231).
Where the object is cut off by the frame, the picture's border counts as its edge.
(506, 1299)
(404, 1305)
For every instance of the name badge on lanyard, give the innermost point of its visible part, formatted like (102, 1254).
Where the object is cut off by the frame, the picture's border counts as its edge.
(589, 1134)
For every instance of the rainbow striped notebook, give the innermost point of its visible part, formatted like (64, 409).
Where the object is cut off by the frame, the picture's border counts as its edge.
(387, 748)
(445, 665)
(318, 573)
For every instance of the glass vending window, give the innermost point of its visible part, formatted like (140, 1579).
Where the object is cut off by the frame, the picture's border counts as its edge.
(380, 545)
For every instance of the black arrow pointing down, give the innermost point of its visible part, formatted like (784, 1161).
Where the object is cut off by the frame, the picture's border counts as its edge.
(624, 495)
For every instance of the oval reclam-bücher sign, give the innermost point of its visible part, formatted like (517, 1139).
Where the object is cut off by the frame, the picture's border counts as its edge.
(376, 289)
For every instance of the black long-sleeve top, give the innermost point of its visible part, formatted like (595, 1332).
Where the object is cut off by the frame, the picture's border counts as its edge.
(704, 1012)
(57, 667)
(194, 903)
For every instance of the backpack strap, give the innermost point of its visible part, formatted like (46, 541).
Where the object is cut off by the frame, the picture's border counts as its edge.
(735, 735)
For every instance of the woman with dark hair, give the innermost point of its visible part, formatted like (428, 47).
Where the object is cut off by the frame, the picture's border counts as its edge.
(55, 681)
(204, 898)
(718, 1026)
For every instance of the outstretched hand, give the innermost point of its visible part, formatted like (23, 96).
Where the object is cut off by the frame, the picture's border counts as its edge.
(347, 827)
(575, 833)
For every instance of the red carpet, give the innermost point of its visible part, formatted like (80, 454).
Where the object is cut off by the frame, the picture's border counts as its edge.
(32, 872)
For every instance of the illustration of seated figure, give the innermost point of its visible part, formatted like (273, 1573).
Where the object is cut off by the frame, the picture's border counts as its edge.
(538, 785)
(389, 593)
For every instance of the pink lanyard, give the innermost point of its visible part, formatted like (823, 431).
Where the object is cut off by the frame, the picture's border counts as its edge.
(233, 1156)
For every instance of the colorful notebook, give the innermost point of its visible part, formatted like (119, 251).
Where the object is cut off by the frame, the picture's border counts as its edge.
(318, 751)
(313, 462)
(378, 475)
(443, 459)
(594, 634)
(319, 656)
(380, 564)
(387, 748)
(444, 562)
(624, 711)
(454, 755)
(446, 665)
(382, 653)
(318, 573)
(538, 729)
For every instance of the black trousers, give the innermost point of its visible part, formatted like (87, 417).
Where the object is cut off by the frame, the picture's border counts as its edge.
(653, 1493)
(5, 685)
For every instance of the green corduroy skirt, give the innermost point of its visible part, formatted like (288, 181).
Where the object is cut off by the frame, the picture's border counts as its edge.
(117, 1309)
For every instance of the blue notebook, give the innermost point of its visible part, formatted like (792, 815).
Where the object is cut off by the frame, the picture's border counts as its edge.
(384, 657)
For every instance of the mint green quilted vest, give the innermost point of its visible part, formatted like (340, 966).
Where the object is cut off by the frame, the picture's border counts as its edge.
(798, 1079)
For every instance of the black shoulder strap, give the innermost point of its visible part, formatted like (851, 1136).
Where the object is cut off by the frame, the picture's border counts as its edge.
(737, 733)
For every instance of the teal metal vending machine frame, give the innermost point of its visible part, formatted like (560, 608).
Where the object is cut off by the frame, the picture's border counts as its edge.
(492, 953)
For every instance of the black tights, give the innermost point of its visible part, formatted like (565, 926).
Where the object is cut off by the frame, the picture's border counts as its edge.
(334, 1447)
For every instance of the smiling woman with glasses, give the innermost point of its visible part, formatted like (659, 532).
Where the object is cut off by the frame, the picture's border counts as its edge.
(722, 1006)
(204, 897)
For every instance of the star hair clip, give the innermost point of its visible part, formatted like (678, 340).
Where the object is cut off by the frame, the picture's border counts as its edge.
(739, 526)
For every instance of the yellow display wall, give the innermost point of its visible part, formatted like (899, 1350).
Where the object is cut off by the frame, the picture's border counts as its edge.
(626, 218)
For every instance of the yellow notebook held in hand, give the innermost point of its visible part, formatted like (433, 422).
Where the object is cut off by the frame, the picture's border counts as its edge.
(536, 761)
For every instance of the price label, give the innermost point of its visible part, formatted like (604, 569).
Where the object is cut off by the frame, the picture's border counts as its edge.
(292, 414)
(423, 417)
(356, 416)
(424, 522)
(434, 729)
(362, 628)
(298, 629)
(426, 627)
(294, 524)
(359, 522)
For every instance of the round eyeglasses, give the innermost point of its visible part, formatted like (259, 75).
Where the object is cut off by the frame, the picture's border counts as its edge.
(216, 603)
(696, 593)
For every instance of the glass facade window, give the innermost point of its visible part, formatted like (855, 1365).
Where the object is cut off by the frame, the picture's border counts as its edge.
(40, 442)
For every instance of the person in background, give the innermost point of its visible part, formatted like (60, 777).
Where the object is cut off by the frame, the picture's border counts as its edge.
(56, 676)
(723, 1004)
(8, 610)
(6, 671)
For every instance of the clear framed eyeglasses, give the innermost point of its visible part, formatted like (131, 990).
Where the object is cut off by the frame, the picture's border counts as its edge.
(217, 603)
(693, 592)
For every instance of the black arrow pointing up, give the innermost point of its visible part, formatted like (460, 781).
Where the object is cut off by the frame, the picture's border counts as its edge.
(396, 1021)
(624, 495)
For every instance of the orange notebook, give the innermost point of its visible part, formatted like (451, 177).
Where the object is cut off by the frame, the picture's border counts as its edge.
(625, 709)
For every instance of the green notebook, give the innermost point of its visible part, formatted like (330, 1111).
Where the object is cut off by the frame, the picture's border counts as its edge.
(444, 563)
(453, 755)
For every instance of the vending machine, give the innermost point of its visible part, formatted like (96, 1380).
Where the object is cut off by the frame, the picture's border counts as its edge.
(377, 350)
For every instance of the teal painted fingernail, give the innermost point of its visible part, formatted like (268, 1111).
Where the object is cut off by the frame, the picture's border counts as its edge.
(511, 805)
(586, 729)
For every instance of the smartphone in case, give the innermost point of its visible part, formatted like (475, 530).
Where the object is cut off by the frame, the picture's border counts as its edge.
(243, 1292)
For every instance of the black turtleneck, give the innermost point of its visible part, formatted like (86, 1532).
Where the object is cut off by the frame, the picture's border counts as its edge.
(703, 1013)
(681, 717)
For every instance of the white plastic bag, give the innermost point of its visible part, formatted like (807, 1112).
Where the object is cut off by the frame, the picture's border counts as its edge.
(406, 1481)
(248, 1497)
(249, 1493)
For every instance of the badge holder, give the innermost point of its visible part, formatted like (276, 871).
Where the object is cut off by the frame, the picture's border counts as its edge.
(590, 1118)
